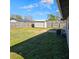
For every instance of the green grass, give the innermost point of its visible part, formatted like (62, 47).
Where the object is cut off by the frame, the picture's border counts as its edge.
(20, 34)
(32, 43)
(15, 56)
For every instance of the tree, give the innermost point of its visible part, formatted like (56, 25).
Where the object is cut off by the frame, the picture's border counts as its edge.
(11, 18)
(51, 17)
(16, 17)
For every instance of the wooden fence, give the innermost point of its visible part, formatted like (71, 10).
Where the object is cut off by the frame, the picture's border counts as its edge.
(54, 24)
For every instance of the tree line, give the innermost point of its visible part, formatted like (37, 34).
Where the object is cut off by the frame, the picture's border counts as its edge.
(51, 17)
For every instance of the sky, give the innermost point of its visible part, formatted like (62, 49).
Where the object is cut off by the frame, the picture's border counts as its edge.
(38, 9)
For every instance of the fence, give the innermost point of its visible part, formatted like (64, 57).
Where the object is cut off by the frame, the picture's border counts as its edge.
(20, 24)
(54, 24)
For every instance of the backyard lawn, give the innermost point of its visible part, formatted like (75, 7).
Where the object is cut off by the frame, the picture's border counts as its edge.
(37, 43)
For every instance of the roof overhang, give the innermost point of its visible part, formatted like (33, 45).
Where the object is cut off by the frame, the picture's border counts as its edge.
(63, 6)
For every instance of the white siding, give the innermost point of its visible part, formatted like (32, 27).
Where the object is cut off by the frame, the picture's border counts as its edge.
(45, 24)
(39, 24)
(13, 20)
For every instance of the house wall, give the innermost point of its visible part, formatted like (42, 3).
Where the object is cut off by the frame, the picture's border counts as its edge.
(67, 30)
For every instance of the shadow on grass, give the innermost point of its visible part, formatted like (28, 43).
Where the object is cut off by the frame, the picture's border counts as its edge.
(43, 46)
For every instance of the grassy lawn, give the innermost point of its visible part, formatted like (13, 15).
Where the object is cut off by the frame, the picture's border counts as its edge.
(15, 56)
(20, 34)
(36, 43)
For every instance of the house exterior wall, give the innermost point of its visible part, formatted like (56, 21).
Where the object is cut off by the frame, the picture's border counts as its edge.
(67, 30)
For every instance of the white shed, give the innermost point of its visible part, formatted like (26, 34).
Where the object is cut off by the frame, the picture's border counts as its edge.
(41, 24)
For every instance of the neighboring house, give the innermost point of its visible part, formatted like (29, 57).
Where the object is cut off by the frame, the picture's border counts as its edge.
(26, 19)
(13, 20)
